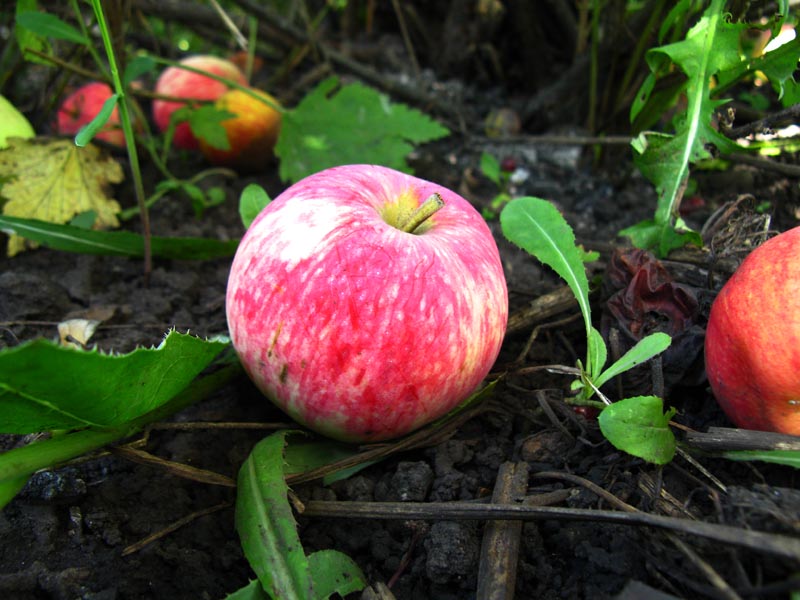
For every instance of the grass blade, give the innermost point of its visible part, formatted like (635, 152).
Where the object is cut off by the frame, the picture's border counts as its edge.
(68, 238)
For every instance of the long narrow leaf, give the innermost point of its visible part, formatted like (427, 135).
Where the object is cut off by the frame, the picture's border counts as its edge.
(49, 25)
(266, 524)
(87, 132)
(644, 350)
(68, 238)
(790, 458)
(537, 227)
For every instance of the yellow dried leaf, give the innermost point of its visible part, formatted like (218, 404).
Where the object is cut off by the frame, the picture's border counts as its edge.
(54, 180)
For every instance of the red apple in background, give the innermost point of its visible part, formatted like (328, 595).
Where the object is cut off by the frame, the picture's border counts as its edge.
(252, 133)
(189, 85)
(82, 105)
(753, 339)
(356, 328)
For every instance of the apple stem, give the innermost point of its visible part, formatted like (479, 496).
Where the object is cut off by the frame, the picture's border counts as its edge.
(422, 213)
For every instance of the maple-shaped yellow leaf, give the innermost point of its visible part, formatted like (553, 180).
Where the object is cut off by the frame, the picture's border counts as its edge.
(54, 180)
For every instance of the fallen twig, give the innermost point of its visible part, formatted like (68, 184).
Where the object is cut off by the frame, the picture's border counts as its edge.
(497, 568)
(758, 541)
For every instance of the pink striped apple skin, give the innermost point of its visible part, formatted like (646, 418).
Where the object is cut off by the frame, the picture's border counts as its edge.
(752, 345)
(356, 329)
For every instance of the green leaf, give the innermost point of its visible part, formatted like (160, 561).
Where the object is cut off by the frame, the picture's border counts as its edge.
(84, 220)
(17, 464)
(206, 124)
(640, 427)
(649, 234)
(711, 46)
(91, 129)
(115, 243)
(537, 227)
(253, 200)
(789, 458)
(644, 350)
(49, 25)
(335, 573)
(304, 455)
(598, 354)
(351, 124)
(45, 386)
(136, 67)
(266, 525)
(490, 167)
(28, 40)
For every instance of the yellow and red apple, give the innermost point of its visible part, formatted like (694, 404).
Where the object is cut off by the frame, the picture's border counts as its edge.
(191, 87)
(752, 342)
(252, 131)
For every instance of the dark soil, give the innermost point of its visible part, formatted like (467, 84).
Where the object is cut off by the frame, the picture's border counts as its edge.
(65, 535)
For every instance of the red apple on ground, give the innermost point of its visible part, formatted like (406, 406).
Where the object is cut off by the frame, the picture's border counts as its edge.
(753, 339)
(355, 327)
(252, 133)
(83, 105)
(188, 85)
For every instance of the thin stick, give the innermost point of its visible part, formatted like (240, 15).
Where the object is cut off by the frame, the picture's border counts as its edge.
(136, 546)
(758, 541)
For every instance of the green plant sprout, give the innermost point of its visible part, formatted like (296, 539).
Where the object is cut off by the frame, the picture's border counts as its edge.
(490, 167)
(636, 425)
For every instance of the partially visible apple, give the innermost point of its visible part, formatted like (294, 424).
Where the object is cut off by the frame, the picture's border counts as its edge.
(82, 105)
(753, 339)
(356, 314)
(188, 85)
(252, 133)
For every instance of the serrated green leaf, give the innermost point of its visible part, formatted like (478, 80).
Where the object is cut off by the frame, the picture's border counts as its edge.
(537, 227)
(644, 350)
(93, 127)
(349, 125)
(335, 573)
(44, 386)
(49, 25)
(114, 243)
(640, 427)
(711, 46)
(789, 458)
(17, 464)
(266, 525)
(252, 201)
